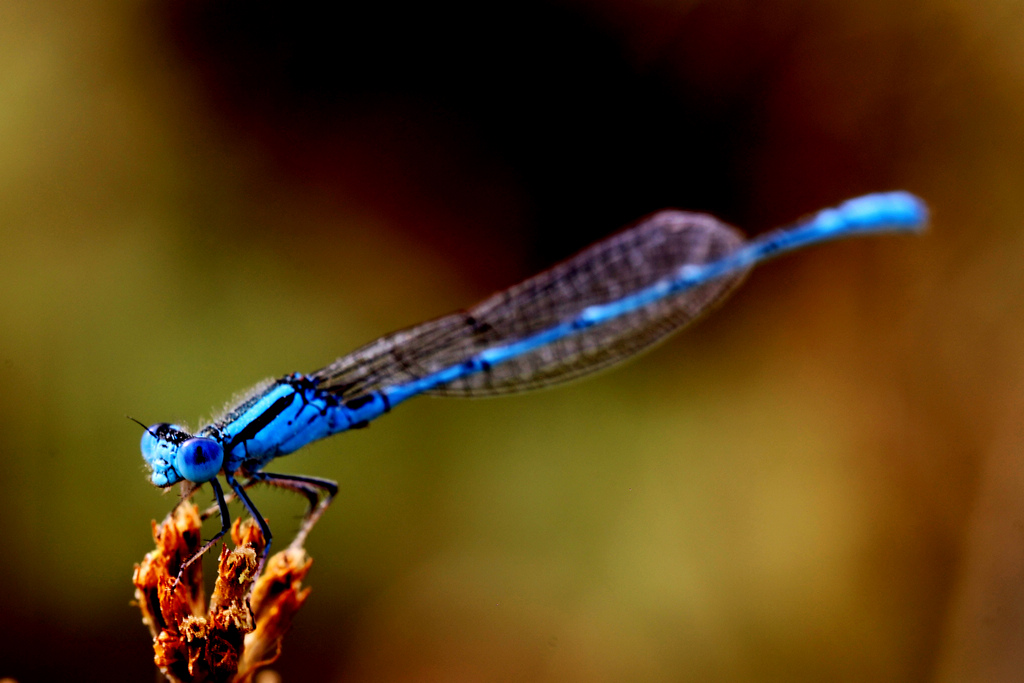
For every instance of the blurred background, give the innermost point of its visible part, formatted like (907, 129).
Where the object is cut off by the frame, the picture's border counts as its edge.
(821, 481)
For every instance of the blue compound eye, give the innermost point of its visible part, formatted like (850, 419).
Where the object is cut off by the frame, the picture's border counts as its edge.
(199, 459)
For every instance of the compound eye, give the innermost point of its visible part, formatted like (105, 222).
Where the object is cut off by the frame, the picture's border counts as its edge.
(149, 441)
(199, 459)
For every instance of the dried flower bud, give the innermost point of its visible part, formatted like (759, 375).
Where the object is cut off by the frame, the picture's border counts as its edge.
(229, 642)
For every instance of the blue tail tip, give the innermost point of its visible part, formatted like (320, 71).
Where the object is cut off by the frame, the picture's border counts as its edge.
(895, 209)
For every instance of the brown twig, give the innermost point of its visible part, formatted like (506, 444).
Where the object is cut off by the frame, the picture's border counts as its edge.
(229, 642)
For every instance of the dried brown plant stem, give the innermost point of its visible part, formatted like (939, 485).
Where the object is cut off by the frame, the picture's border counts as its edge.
(227, 642)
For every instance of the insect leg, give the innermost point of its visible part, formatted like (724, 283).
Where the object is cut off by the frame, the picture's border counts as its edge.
(264, 527)
(311, 488)
(225, 526)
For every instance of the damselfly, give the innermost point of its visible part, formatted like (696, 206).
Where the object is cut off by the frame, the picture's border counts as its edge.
(605, 304)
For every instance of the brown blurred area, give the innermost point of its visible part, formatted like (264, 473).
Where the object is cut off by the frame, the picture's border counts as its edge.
(821, 481)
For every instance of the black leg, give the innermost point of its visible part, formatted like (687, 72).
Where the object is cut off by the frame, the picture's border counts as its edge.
(264, 527)
(230, 498)
(225, 526)
(311, 488)
(311, 493)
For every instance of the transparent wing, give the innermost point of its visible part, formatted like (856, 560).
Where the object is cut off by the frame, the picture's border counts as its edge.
(652, 250)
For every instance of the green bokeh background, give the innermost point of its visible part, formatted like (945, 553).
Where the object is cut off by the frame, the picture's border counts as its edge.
(818, 482)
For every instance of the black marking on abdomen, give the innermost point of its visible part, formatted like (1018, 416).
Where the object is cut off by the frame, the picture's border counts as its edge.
(475, 365)
(582, 323)
(359, 401)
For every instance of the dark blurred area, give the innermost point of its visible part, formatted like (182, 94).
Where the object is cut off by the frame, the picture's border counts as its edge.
(466, 124)
(818, 482)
